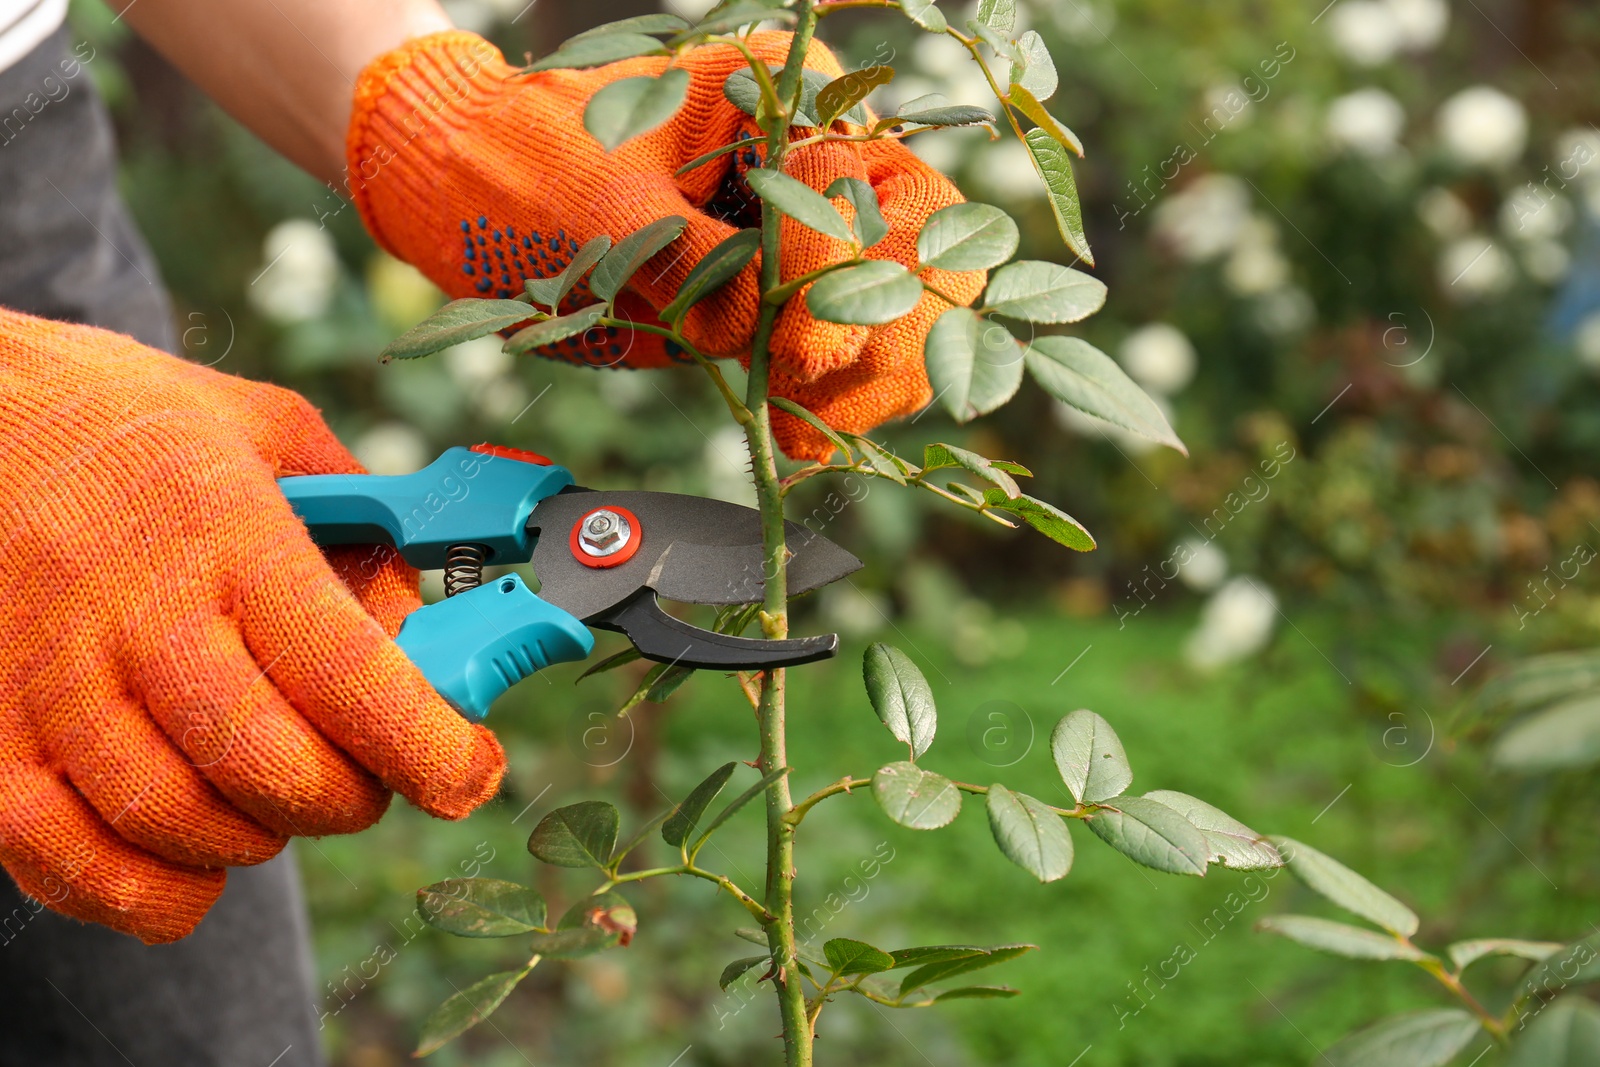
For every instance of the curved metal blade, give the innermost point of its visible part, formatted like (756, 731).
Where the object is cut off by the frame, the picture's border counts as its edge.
(661, 637)
(691, 548)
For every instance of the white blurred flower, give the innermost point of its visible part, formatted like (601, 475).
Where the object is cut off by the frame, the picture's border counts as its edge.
(1227, 104)
(626, 390)
(1473, 266)
(1084, 21)
(1367, 121)
(1445, 213)
(853, 611)
(1284, 312)
(1255, 265)
(693, 10)
(1535, 216)
(1576, 153)
(1421, 23)
(1367, 32)
(1203, 219)
(1005, 171)
(1204, 565)
(726, 462)
(399, 292)
(391, 448)
(948, 64)
(299, 272)
(1546, 262)
(1586, 341)
(1483, 127)
(1159, 357)
(1235, 623)
(477, 362)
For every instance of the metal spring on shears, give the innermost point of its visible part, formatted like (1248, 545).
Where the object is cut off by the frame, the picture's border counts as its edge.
(463, 568)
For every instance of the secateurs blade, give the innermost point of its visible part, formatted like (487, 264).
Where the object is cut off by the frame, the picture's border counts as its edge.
(601, 557)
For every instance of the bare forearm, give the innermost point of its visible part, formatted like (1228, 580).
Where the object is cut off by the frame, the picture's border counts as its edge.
(284, 68)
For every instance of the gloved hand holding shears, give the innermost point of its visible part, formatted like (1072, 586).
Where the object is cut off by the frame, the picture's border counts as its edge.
(189, 681)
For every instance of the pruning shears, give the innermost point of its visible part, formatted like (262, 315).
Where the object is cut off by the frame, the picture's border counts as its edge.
(601, 558)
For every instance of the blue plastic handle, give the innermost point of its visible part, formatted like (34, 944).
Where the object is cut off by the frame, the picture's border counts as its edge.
(477, 644)
(463, 497)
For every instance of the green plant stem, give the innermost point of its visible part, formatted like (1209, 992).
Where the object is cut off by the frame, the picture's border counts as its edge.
(751, 905)
(797, 1036)
(1495, 1027)
(848, 784)
(740, 413)
(783, 292)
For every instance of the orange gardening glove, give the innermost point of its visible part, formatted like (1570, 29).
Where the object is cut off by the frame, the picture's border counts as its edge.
(187, 680)
(482, 177)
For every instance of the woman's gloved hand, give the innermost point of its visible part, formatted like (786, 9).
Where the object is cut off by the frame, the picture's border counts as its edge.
(481, 177)
(188, 681)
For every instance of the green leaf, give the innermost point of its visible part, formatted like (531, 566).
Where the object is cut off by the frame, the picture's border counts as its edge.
(632, 253)
(654, 23)
(1025, 102)
(847, 956)
(715, 153)
(553, 290)
(720, 264)
(976, 992)
(870, 294)
(1050, 160)
(1001, 43)
(799, 201)
(598, 50)
(999, 15)
(880, 459)
(924, 14)
(1539, 680)
(1417, 1039)
(974, 366)
(481, 907)
(573, 943)
(1077, 373)
(733, 806)
(550, 331)
(466, 1009)
(578, 835)
(1149, 832)
(1233, 844)
(1565, 1034)
(868, 226)
(1560, 737)
(743, 91)
(1048, 519)
(967, 237)
(900, 695)
(676, 830)
(735, 970)
(1090, 757)
(947, 115)
(978, 959)
(1341, 939)
(727, 17)
(845, 92)
(1038, 291)
(923, 954)
(799, 412)
(1029, 833)
(1571, 966)
(915, 798)
(457, 321)
(1346, 888)
(937, 456)
(611, 663)
(1465, 953)
(1037, 71)
(629, 107)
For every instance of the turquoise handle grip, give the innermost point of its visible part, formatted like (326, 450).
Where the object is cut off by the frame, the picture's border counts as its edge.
(463, 497)
(477, 644)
